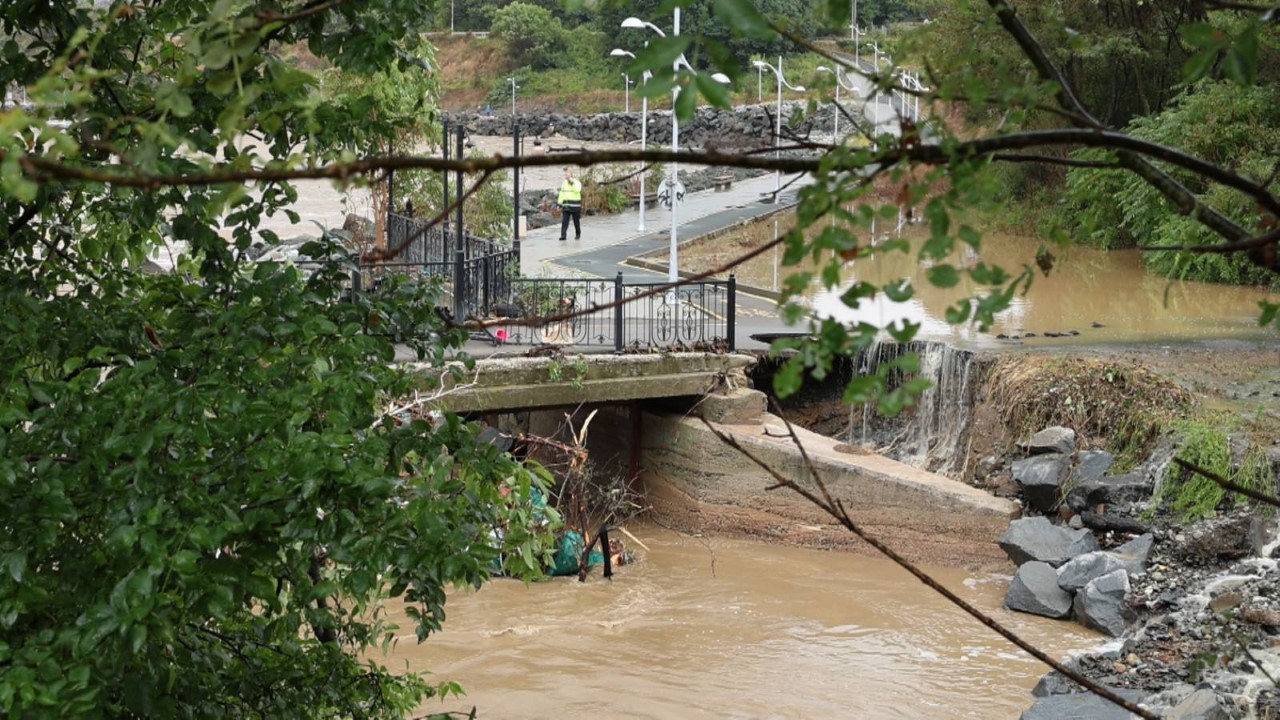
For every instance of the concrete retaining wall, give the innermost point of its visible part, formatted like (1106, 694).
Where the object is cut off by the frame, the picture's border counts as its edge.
(696, 483)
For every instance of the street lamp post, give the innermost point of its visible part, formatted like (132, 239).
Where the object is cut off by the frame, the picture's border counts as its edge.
(673, 260)
(777, 133)
(626, 93)
(512, 80)
(912, 81)
(850, 87)
(835, 123)
(644, 129)
(875, 48)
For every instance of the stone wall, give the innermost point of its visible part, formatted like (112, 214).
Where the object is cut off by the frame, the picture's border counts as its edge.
(744, 127)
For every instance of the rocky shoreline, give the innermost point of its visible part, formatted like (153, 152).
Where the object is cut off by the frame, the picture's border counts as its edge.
(1194, 609)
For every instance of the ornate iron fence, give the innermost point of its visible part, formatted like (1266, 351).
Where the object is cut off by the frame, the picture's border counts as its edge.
(630, 315)
(413, 240)
(414, 248)
(484, 283)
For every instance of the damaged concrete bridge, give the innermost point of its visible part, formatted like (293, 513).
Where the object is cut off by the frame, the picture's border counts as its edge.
(648, 426)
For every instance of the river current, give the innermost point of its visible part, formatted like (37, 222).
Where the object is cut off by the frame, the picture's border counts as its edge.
(717, 628)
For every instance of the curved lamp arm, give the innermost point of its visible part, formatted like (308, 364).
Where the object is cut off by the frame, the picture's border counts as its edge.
(681, 62)
(777, 74)
(635, 22)
(836, 72)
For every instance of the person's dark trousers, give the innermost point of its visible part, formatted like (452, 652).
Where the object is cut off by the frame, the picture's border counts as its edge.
(577, 223)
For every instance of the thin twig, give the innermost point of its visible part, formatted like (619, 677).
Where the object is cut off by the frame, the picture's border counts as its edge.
(42, 169)
(268, 17)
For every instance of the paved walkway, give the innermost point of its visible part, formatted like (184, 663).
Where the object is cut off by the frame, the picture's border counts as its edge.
(608, 240)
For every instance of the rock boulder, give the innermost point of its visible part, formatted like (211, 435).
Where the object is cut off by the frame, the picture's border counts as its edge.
(1082, 706)
(1056, 439)
(1035, 590)
(1101, 605)
(1036, 538)
(1200, 705)
(1041, 479)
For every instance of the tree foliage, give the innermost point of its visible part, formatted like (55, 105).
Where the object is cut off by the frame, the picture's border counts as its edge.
(1218, 121)
(534, 35)
(207, 491)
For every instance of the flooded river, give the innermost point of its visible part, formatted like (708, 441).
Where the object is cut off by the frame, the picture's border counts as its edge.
(1105, 297)
(733, 629)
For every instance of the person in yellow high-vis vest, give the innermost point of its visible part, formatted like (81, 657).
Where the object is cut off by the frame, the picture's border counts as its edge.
(570, 200)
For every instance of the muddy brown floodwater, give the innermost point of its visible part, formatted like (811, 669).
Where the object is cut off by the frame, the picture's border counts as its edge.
(720, 628)
(1105, 297)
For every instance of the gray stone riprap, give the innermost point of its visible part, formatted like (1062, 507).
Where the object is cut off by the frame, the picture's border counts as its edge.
(536, 205)
(1191, 618)
(1200, 705)
(1130, 557)
(1135, 554)
(1035, 538)
(1080, 570)
(1081, 706)
(1109, 490)
(1092, 465)
(1176, 596)
(1041, 478)
(1179, 598)
(1101, 605)
(1054, 439)
(745, 127)
(1054, 683)
(1035, 590)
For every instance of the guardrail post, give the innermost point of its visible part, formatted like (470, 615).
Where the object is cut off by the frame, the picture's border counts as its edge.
(515, 195)
(444, 175)
(391, 197)
(617, 314)
(459, 249)
(731, 312)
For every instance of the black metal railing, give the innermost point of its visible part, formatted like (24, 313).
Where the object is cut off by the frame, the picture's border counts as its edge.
(411, 239)
(637, 316)
(486, 285)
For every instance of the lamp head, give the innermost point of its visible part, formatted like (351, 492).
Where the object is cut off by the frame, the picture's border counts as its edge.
(824, 68)
(633, 22)
(759, 63)
(619, 52)
(720, 78)
(799, 88)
